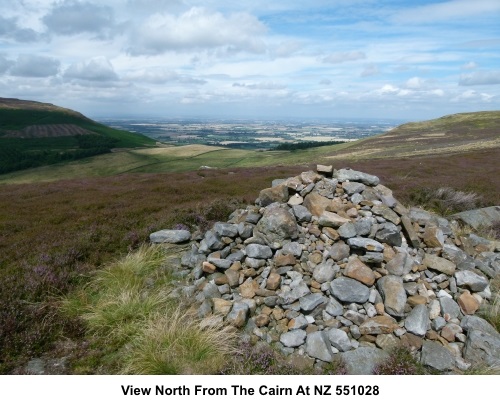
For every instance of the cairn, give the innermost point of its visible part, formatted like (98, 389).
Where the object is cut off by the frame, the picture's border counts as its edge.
(329, 263)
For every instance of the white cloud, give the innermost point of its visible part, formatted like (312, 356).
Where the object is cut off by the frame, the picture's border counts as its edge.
(469, 66)
(370, 70)
(198, 29)
(72, 17)
(10, 29)
(96, 69)
(35, 66)
(415, 83)
(261, 86)
(341, 57)
(483, 77)
(160, 76)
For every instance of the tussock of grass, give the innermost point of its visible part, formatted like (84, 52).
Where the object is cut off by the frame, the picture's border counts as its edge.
(128, 313)
(444, 200)
(491, 311)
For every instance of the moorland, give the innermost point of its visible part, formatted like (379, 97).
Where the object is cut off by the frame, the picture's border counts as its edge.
(61, 222)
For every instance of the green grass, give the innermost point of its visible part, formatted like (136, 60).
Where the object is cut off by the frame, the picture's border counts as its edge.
(126, 309)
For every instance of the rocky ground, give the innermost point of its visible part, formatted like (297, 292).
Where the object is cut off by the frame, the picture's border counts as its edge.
(329, 264)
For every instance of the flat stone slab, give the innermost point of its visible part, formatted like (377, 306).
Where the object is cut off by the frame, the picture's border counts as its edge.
(170, 236)
(363, 360)
(483, 217)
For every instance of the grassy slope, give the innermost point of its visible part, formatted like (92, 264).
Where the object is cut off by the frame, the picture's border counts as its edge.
(19, 114)
(454, 134)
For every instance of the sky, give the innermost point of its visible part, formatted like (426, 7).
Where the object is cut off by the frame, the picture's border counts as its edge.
(407, 60)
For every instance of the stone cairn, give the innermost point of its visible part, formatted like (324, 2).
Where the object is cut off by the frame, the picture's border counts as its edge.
(329, 263)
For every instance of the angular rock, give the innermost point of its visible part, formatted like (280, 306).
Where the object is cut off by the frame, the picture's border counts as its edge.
(318, 346)
(433, 237)
(468, 303)
(257, 251)
(221, 307)
(339, 251)
(353, 175)
(339, 339)
(315, 203)
(326, 170)
(293, 248)
(346, 231)
(482, 348)
(387, 213)
(249, 288)
(334, 308)
(449, 306)
(470, 323)
(276, 226)
(417, 322)
(301, 213)
(225, 229)
(170, 236)
(210, 242)
(325, 272)
(394, 295)
(377, 325)
(348, 290)
(473, 281)
(331, 219)
(357, 270)
(300, 290)
(439, 264)
(390, 236)
(410, 231)
(400, 265)
(295, 199)
(366, 244)
(326, 187)
(293, 338)
(353, 187)
(436, 356)
(238, 315)
(270, 195)
(363, 360)
(273, 281)
(311, 301)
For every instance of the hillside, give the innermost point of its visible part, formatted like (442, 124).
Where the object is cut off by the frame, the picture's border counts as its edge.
(34, 134)
(455, 133)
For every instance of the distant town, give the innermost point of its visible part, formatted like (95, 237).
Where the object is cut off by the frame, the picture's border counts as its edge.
(252, 134)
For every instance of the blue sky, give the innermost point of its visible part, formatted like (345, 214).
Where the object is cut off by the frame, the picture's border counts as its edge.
(406, 60)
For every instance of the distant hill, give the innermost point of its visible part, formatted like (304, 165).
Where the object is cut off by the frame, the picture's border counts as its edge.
(35, 134)
(455, 133)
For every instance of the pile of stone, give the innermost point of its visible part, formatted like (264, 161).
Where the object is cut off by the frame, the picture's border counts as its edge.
(329, 264)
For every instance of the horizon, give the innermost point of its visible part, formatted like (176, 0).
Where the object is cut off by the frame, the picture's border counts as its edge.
(396, 60)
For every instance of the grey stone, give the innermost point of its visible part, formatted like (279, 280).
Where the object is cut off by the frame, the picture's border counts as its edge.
(221, 263)
(293, 338)
(363, 360)
(417, 322)
(170, 236)
(293, 248)
(299, 322)
(334, 308)
(469, 279)
(276, 226)
(363, 226)
(400, 265)
(348, 290)
(394, 295)
(270, 195)
(298, 291)
(353, 187)
(331, 219)
(439, 264)
(366, 244)
(410, 231)
(256, 251)
(37, 366)
(225, 229)
(301, 213)
(355, 317)
(483, 217)
(255, 263)
(327, 170)
(210, 242)
(372, 257)
(438, 323)
(310, 301)
(318, 346)
(339, 251)
(325, 272)
(390, 236)
(472, 322)
(245, 230)
(346, 231)
(449, 306)
(205, 308)
(236, 256)
(339, 339)
(326, 187)
(239, 313)
(353, 175)
(387, 213)
(482, 348)
(436, 356)
(211, 291)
